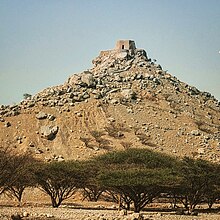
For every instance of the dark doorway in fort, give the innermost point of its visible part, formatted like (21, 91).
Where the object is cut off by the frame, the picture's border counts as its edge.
(123, 47)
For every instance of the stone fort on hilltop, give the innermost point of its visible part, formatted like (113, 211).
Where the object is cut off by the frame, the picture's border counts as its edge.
(121, 45)
(125, 45)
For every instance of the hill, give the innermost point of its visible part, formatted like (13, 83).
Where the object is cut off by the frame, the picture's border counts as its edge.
(125, 100)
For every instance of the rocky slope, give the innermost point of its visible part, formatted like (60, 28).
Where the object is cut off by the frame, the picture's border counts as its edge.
(124, 100)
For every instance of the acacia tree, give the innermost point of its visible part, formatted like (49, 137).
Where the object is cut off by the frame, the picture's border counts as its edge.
(137, 174)
(92, 190)
(212, 195)
(5, 174)
(59, 180)
(20, 166)
(198, 178)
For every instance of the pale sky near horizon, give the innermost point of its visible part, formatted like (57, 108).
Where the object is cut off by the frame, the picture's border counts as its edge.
(43, 42)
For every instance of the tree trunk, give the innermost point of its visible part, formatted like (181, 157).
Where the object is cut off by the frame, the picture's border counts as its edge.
(210, 204)
(119, 202)
(128, 205)
(136, 207)
(54, 203)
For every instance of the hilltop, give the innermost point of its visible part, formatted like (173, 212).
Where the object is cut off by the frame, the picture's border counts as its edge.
(125, 100)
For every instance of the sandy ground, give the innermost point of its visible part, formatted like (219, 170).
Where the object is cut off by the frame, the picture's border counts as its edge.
(83, 214)
(37, 206)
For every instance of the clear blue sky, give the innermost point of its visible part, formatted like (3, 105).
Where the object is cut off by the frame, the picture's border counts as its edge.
(42, 42)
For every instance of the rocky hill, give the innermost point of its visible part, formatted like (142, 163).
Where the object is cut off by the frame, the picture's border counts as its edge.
(125, 100)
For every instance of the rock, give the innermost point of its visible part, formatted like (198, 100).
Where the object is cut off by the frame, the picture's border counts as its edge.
(38, 151)
(201, 150)
(122, 55)
(74, 79)
(31, 144)
(136, 216)
(194, 213)
(7, 124)
(123, 212)
(25, 214)
(120, 134)
(141, 52)
(128, 94)
(114, 101)
(30, 104)
(88, 79)
(51, 117)
(159, 214)
(129, 110)
(41, 115)
(49, 132)
(49, 215)
(79, 114)
(110, 119)
(95, 148)
(60, 158)
(118, 78)
(16, 217)
(193, 91)
(195, 133)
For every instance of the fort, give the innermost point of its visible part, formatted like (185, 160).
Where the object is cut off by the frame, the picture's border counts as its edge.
(121, 45)
(125, 45)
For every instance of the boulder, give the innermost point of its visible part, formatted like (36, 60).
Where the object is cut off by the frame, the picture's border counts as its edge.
(122, 55)
(49, 132)
(60, 158)
(16, 217)
(195, 133)
(88, 79)
(74, 79)
(41, 115)
(2, 120)
(7, 124)
(128, 94)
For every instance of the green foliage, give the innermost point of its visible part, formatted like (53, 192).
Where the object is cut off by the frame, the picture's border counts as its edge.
(15, 174)
(198, 179)
(92, 190)
(137, 174)
(143, 157)
(133, 176)
(20, 166)
(59, 180)
(5, 174)
(27, 96)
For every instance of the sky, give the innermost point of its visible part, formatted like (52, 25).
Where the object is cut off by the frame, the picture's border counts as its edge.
(43, 42)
